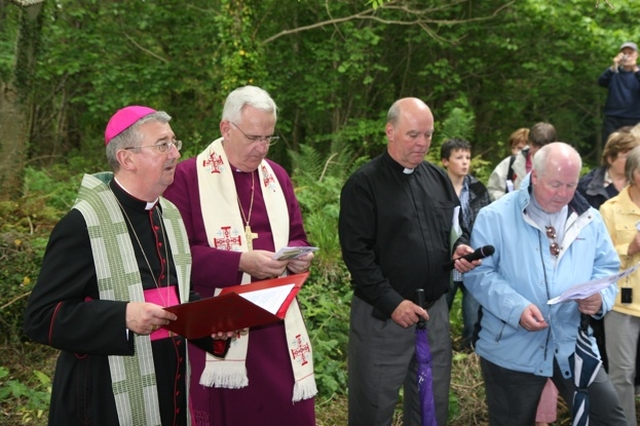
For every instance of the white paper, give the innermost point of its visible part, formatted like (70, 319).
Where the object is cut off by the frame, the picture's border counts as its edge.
(581, 291)
(510, 187)
(286, 253)
(269, 299)
(455, 222)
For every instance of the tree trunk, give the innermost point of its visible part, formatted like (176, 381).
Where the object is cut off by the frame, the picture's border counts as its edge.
(15, 101)
(13, 143)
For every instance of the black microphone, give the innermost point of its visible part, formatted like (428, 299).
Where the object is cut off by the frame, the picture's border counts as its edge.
(480, 253)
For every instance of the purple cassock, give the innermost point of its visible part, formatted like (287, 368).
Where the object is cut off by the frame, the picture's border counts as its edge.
(267, 400)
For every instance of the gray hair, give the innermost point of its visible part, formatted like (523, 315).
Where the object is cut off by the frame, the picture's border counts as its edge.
(131, 137)
(542, 134)
(394, 113)
(247, 95)
(548, 154)
(632, 164)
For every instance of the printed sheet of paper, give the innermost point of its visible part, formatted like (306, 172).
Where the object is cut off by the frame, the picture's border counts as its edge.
(580, 291)
(286, 253)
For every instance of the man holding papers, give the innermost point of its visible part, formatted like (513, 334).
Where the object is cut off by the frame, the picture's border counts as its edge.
(546, 238)
(239, 209)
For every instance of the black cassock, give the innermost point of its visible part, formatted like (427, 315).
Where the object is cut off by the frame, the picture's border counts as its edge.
(65, 312)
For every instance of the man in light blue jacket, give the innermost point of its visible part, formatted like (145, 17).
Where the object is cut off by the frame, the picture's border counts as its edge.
(546, 238)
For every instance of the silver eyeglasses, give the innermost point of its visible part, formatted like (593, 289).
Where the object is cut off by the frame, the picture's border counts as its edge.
(265, 140)
(161, 147)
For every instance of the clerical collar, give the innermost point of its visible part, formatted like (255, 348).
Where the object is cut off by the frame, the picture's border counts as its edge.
(238, 170)
(395, 165)
(148, 205)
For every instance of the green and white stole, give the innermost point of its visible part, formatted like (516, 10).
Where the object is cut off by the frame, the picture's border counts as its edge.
(133, 377)
(225, 231)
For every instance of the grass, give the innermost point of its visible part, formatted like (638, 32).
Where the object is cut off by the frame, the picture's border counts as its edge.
(467, 405)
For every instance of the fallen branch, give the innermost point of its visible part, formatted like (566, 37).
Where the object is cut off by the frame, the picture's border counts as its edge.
(11, 302)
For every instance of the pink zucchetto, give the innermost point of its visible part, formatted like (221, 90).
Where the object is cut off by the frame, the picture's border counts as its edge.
(123, 119)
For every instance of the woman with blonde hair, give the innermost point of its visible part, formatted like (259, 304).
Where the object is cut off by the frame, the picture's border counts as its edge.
(606, 181)
(621, 215)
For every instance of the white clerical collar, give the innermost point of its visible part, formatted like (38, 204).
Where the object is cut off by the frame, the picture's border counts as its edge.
(407, 171)
(149, 205)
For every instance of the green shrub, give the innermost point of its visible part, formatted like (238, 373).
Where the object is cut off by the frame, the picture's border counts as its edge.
(326, 310)
(28, 401)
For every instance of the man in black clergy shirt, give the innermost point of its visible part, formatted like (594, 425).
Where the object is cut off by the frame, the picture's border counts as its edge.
(395, 223)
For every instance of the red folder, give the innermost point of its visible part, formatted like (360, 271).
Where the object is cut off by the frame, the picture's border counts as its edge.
(229, 311)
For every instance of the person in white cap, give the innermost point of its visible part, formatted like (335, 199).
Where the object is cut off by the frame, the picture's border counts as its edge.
(623, 81)
(111, 265)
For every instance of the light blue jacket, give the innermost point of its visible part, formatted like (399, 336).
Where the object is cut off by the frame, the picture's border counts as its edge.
(522, 272)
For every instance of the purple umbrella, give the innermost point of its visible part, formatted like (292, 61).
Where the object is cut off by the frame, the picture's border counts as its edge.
(425, 379)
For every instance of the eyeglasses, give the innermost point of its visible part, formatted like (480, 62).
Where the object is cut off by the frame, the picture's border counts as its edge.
(265, 140)
(554, 248)
(161, 147)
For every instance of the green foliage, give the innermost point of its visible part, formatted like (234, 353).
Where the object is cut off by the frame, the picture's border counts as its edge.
(327, 294)
(30, 400)
(376, 3)
(8, 34)
(325, 302)
(20, 255)
(334, 68)
(458, 124)
(318, 183)
(25, 225)
(56, 186)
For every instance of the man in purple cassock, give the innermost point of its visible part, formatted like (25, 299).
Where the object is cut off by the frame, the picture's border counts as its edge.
(239, 209)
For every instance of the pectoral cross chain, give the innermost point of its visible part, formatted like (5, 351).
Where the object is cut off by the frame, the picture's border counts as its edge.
(247, 228)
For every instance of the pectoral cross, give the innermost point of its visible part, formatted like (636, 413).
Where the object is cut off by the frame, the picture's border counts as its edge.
(250, 236)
